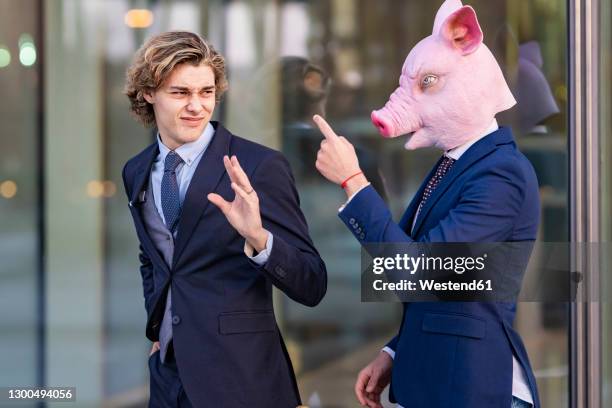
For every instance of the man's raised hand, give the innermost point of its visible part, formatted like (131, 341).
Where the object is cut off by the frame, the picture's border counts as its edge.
(243, 212)
(337, 160)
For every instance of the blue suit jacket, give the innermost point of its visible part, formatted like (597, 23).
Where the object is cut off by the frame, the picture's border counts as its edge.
(459, 354)
(228, 348)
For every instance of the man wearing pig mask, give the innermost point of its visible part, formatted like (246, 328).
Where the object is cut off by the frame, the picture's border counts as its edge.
(481, 190)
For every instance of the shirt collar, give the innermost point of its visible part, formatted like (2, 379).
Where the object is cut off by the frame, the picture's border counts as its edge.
(457, 152)
(188, 151)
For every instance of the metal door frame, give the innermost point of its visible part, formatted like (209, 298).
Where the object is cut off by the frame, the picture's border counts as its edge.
(584, 197)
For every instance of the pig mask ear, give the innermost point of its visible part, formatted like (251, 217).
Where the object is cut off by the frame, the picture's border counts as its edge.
(462, 31)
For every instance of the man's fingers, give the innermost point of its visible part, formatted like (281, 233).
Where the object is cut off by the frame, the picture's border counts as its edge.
(372, 382)
(373, 402)
(362, 380)
(243, 179)
(324, 127)
(240, 191)
(220, 202)
(154, 348)
(235, 172)
(344, 140)
(375, 396)
(229, 167)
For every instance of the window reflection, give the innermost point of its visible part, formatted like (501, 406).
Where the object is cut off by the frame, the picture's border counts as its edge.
(286, 61)
(20, 210)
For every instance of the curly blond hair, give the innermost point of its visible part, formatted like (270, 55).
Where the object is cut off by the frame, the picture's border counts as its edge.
(155, 60)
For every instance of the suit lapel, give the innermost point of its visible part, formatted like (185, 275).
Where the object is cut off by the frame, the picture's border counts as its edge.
(476, 152)
(143, 173)
(205, 179)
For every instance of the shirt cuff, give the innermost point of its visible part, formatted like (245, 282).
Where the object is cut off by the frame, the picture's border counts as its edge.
(389, 351)
(262, 257)
(351, 197)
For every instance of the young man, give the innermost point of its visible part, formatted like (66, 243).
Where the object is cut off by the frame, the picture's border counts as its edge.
(208, 270)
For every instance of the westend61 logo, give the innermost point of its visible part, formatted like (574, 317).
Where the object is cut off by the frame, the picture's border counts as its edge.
(472, 271)
(412, 265)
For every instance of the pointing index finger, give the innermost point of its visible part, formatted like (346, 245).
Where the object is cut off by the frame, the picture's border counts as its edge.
(324, 127)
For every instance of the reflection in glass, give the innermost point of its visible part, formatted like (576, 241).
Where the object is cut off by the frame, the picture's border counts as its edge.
(20, 298)
(286, 61)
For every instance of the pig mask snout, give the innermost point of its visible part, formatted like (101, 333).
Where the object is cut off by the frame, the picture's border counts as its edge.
(385, 127)
(397, 117)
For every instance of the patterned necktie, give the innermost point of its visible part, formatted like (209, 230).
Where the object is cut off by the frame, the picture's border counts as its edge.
(433, 182)
(170, 200)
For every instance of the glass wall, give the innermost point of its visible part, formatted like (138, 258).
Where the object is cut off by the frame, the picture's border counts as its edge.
(361, 48)
(539, 70)
(20, 198)
(286, 61)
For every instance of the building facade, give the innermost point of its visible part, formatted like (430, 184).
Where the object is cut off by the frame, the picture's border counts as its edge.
(71, 306)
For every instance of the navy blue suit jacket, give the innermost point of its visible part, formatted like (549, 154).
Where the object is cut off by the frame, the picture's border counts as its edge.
(228, 348)
(459, 354)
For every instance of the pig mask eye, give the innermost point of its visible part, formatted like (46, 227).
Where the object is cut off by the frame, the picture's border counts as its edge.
(428, 81)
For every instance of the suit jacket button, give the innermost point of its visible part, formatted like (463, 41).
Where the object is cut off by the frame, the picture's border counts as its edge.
(352, 221)
(176, 319)
(362, 236)
(280, 271)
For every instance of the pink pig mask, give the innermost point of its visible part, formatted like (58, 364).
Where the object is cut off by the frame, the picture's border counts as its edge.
(451, 86)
